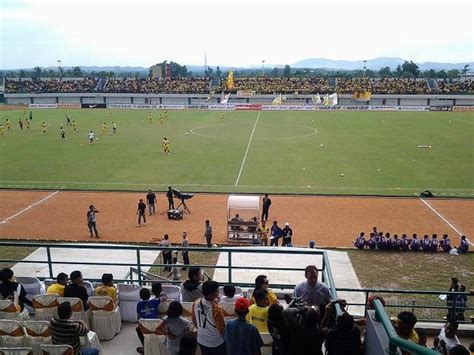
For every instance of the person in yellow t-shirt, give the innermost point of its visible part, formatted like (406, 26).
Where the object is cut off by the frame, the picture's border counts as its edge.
(8, 125)
(258, 312)
(43, 127)
(404, 325)
(103, 129)
(27, 124)
(261, 282)
(2, 131)
(166, 146)
(222, 116)
(58, 287)
(109, 113)
(107, 288)
(161, 118)
(74, 126)
(150, 117)
(263, 233)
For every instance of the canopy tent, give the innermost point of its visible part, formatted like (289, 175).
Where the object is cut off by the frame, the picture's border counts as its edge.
(244, 203)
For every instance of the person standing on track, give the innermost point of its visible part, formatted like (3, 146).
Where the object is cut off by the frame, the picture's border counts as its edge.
(151, 199)
(141, 213)
(266, 202)
(91, 220)
(169, 196)
(208, 233)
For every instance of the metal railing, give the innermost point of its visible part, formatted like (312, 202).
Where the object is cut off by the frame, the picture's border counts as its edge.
(394, 340)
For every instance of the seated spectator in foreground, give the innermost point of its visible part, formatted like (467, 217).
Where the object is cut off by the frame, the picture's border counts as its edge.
(77, 289)
(360, 242)
(404, 325)
(191, 289)
(107, 288)
(463, 245)
(229, 294)
(303, 327)
(147, 309)
(261, 282)
(312, 292)
(175, 327)
(12, 290)
(345, 338)
(157, 291)
(458, 350)
(58, 287)
(278, 330)
(67, 331)
(258, 312)
(241, 337)
(423, 339)
(208, 318)
(447, 337)
(471, 348)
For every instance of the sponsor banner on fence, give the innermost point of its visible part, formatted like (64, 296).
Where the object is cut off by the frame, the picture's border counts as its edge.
(93, 106)
(441, 108)
(42, 105)
(65, 105)
(413, 108)
(382, 108)
(245, 93)
(248, 107)
(464, 108)
(198, 107)
(221, 107)
(147, 107)
(288, 107)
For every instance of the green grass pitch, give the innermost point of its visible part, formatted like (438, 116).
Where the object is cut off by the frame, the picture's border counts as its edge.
(288, 152)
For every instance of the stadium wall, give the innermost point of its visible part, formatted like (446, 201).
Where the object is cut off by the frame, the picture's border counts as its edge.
(196, 99)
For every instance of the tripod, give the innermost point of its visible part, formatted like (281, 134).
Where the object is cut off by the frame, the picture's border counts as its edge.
(185, 207)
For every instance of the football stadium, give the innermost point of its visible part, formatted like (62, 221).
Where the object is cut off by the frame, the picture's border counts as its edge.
(294, 210)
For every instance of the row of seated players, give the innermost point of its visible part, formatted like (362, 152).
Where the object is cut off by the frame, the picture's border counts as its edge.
(260, 85)
(386, 242)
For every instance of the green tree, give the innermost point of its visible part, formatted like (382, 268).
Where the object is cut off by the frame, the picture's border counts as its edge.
(209, 72)
(287, 71)
(22, 73)
(77, 72)
(442, 74)
(398, 71)
(465, 69)
(275, 72)
(453, 73)
(385, 72)
(410, 67)
(37, 71)
(218, 72)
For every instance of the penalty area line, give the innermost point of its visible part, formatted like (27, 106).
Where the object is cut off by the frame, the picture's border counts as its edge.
(247, 150)
(30, 206)
(440, 216)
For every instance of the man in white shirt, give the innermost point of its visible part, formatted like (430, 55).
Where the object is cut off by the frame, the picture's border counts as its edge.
(447, 337)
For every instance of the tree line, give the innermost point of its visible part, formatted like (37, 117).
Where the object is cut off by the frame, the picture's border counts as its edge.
(406, 70)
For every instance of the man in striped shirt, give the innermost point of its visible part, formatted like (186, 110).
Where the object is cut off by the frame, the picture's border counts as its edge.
(67, 331)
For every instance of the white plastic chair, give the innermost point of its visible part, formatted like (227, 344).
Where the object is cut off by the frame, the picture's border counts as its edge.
(8, 310)
(238, 291)
(12, 334)
(16, 351)
(90, 288)
(38, 332)
(228, 310)
(48, 349)
(163, 307)
(173, 292)
(106, 321)
(129, 296)
(78, 312)
(32, 286)
(153, 344)
(45, 306)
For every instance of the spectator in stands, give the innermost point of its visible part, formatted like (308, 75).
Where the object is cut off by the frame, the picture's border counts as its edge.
(263, 233)
(175, 327)
(458, 350)
(175, 272)
(445, 244)
(344, 339)
(304, 331)
(12, 290)
(67, 331)
(450, 299)
(166, 254)
(157, 291)
(463, 245)
(229, 294)
(360, 242)
(208, 318)
(185, 253)
(447, 337)
(278, 330)
(261, 282)
(191, 289)
(423, 339)
(147, 309)
(77, 288)
(258, 312)
(471, 348)
(404, 325)
(460, 303)
(312, 292)
(58, 287)
(107, 288)
(241, 337)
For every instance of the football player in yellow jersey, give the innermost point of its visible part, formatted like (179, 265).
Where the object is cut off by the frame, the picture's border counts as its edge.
(221, 116)
(43, 127)
(8, 125)
(161, 118)
(25, 107)
(150, 117)
(27, 124)
(166, 145)
(166, 114)
(109, 113)
(2, 131)
(74, 126)
(114, 127)
(103, 129)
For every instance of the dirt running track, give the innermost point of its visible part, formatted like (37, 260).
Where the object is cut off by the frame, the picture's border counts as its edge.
(330, 221)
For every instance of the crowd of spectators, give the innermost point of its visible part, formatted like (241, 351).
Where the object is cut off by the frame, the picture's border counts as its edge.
(50, 86)
(384, 241)
(232, 323)
(258, 85)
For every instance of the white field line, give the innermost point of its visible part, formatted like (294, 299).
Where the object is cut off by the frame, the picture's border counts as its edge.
(30, 206)
(247, 150)
(440, 216)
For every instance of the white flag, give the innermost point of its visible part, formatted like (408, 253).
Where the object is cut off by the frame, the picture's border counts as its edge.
(316, 100)
(333, 99)
(326, 100)
(225, 99)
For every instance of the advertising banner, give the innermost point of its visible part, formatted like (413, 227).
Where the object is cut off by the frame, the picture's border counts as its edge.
(93, 106)
(248, 107)
(66, 105)
(42, 105)
(463, 108)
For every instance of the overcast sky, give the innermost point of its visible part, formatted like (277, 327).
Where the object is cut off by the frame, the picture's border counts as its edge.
(233, 33)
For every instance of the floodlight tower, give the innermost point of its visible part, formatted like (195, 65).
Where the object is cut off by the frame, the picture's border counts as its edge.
(365, 67)
(60, 69)
(263, 67)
